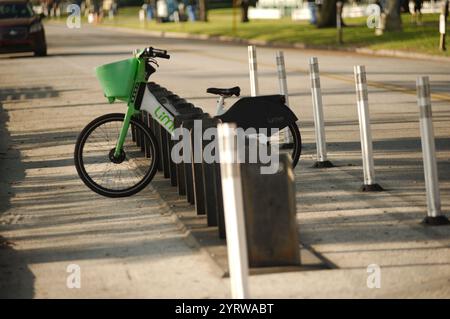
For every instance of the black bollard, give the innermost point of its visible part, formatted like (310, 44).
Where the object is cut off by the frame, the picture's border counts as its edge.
(208, 174)
(270, 215)
(220, 210)
(180, 167)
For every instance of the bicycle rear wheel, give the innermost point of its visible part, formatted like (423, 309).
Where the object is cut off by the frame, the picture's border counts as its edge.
(291, 145)
(110, 176)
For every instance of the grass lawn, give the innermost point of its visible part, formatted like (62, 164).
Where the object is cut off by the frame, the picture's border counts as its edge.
(422, 39)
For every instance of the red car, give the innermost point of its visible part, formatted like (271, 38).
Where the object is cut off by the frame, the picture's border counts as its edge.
(21, 29)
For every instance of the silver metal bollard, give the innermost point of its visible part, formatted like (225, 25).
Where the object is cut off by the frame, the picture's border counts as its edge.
(233, 210)
(364, 128)
(253, 69)
(316, 93)
(285, 135)
(281, 71)
(434, 214)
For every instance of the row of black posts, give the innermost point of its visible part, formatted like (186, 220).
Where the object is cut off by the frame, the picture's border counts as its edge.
(269, 200)
(199, 183)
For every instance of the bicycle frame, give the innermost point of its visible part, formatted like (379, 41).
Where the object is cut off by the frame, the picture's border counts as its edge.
(220, 105)
(257, 112)
(146, 101)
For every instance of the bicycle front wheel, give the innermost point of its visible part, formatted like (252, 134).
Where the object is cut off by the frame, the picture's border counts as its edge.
(115, 176)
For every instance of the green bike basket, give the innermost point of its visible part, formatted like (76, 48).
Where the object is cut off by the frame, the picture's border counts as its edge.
(117, 79)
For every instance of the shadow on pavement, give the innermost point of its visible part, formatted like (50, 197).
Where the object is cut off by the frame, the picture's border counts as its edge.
(16, 279)
(28, 93)
(48, 217)
(100, 53)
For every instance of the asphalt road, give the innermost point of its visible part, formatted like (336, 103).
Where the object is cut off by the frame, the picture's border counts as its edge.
(133, 247)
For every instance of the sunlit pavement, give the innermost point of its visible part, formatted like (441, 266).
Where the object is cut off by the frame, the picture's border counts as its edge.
(133, 247)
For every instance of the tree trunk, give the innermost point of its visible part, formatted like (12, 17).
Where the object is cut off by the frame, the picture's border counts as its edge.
(326, 16)
(391, 20)
(203, 10)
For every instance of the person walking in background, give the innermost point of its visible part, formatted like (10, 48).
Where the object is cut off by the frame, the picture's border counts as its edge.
(312, 11)
(417, 14)
(191, 8)
(244, 7)
(107, 8)
(151, 4)
(404, 4)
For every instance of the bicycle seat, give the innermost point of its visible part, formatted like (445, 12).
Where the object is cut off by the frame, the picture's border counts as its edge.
(225, 92)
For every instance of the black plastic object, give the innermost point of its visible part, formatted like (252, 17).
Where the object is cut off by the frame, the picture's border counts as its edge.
(270, 215)
(212, 194)
(323, 164)
(260, 112)
(371, 188)
(436, 221)
(151, 52)
(225, 92)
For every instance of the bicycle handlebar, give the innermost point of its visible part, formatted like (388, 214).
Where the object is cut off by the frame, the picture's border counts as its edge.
(151, 52)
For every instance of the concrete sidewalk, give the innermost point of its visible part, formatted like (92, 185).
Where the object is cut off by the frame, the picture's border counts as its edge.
(126, 248)
(49, 219)
(133, 247)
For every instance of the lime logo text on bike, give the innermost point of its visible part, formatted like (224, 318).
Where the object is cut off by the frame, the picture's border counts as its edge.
(164, 118)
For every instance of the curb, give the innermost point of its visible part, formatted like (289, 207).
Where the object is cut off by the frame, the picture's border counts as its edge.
(204, 239)
(276, 44)
(402, 54)
(188, 236)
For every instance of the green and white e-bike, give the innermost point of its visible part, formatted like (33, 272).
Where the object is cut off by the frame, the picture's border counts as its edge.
(107, 157)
